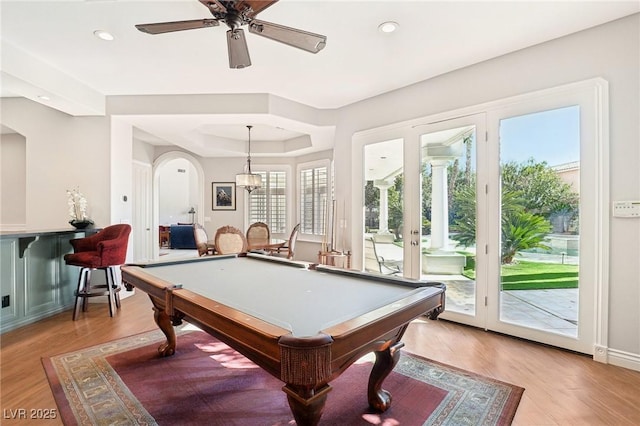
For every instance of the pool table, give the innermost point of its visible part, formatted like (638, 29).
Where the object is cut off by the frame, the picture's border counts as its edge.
(304, 324)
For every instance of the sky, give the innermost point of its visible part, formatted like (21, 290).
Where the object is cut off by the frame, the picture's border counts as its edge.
(552, 136)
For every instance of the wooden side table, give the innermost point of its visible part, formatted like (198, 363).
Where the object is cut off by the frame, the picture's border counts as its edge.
(335, 258)
(165, 233)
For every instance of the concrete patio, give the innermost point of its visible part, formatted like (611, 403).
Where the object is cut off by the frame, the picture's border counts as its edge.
(548, 310)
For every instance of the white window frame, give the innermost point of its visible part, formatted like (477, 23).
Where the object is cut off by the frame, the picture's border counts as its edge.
(290, 185)
(312, 165)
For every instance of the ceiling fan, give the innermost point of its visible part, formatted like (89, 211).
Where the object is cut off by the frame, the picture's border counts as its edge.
(236, 13)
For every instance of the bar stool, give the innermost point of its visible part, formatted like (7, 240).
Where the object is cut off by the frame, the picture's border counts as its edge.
(105, 250)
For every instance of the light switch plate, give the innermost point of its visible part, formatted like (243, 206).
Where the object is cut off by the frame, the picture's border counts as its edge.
(626, 209)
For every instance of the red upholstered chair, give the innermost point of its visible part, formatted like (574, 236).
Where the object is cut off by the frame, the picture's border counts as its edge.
(104, 250)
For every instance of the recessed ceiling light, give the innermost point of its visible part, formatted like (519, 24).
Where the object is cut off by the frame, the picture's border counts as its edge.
(103, 35)
(388, 27)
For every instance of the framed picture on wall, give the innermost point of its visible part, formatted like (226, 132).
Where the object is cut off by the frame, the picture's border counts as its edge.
(223, 195)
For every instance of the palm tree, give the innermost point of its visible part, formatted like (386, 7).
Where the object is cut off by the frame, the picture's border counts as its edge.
(520, 230)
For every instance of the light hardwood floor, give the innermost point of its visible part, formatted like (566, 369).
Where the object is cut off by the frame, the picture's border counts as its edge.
(561, 388)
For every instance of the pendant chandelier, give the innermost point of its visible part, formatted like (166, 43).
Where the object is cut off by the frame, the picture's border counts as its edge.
(248, 180)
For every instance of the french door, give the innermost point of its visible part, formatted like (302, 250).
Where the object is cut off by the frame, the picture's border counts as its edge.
(452, 222)
(412, 183)
(547, 214)
(507, 207)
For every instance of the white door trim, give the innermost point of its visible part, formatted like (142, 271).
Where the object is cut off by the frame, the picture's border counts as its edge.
(597, 91)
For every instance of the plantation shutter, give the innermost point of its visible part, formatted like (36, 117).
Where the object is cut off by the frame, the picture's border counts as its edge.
(313, 200)
(268, 203)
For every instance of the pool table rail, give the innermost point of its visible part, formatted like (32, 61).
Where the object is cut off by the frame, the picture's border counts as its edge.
(376, 330)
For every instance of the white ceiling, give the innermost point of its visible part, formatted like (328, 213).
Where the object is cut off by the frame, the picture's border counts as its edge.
(76, 70)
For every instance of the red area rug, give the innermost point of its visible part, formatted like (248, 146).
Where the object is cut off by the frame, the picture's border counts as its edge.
(206, 382)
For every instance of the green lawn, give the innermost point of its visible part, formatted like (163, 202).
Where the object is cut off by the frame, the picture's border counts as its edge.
(525, 275)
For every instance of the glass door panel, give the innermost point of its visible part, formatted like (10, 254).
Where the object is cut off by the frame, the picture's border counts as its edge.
(548, 218)
(453, 213)
(540, 235)
(383, 207)
(448, 243)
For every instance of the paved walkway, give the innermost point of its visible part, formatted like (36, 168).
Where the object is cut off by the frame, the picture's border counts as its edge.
(549, 310)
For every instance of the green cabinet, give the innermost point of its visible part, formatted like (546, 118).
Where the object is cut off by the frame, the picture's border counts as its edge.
(35, 282)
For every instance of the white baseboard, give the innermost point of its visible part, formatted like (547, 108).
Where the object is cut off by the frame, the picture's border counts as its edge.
(624, 359)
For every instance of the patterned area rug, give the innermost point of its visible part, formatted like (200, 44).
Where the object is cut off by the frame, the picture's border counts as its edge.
(125, 382)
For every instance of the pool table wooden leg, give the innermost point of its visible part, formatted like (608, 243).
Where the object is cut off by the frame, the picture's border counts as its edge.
(306, 405)
(386, 360)
(163, 320)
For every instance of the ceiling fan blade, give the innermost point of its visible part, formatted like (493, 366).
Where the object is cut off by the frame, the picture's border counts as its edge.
(293, 37)
(238, 51)
(167, 27)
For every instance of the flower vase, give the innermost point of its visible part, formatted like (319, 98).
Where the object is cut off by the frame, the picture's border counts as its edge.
(81, 224)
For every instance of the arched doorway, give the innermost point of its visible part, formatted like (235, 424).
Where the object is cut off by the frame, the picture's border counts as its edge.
(189, 182)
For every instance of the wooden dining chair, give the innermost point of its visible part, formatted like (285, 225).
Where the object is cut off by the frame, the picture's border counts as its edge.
(203, 244)
(287, 249)
(230, 240)
(258, 235)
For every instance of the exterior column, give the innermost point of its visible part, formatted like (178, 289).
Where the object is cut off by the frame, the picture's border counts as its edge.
(439, 205)
(383, 213)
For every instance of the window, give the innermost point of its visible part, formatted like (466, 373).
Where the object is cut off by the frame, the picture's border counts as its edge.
(314, 191)
(268, 204)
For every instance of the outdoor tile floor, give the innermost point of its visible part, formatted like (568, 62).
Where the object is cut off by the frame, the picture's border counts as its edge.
(549, 310)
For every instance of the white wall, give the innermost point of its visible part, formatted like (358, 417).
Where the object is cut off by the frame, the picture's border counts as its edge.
(121, 172)
(143, 152)
(611, 51)
(13, 185)
(62, 152)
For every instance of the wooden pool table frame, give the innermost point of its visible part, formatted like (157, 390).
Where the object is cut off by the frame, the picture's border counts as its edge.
(305, 364)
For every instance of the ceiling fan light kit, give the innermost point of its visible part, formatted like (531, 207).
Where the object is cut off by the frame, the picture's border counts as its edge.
(236, 13)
